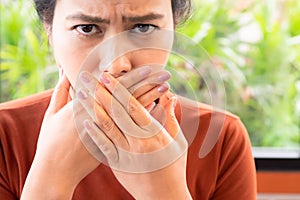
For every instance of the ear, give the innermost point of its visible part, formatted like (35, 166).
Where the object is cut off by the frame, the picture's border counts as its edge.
(48, 29)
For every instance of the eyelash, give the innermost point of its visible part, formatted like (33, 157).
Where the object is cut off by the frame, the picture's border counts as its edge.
(154, 27)
(93, 26)
(99, 31)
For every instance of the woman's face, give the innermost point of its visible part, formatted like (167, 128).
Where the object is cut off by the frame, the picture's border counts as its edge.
(80, 25)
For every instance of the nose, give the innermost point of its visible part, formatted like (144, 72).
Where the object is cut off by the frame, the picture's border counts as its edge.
(116, 56)
(120, 66)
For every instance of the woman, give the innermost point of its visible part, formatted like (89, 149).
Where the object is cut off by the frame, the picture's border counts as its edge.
(118, 146)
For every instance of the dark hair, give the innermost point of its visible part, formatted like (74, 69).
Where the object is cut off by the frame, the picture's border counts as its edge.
(45, 9)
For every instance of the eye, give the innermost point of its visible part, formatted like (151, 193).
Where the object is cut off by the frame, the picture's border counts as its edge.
(144, 28)
(87, 29)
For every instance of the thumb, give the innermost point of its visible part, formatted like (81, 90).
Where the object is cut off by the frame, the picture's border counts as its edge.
(165, 115)
(60, 95)
(171, 124)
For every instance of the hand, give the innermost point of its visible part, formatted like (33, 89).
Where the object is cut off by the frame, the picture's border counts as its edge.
(59, 147)
(146, 86)
(142, 83)
(140, 148)
(61, 160)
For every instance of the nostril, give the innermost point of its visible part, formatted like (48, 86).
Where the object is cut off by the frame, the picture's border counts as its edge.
(117, 75)
(122, 73)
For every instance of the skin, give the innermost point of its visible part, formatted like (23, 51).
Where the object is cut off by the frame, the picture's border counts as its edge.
(72, 46)
(120, 80)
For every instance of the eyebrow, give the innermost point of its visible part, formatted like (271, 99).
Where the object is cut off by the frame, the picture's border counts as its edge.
(148, 17)
(87, 18)
(92, 19)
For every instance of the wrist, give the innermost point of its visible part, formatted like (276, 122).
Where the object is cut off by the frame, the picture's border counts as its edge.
(45, 183)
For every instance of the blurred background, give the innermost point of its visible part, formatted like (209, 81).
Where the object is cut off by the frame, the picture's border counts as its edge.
(255, 45)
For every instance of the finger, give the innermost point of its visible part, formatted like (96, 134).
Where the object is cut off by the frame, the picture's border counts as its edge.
(80, 115)
(129, 116)
(149, 83)
(101, 96)
(104, 144)
(101, 118)
(139, 90)
(149, 97)
(165, 115)
(159, 113)
(171, 124)
(133, 77)
(89, 81)
(87, 102)
(128, 102)
(60, 96)
(150, 107)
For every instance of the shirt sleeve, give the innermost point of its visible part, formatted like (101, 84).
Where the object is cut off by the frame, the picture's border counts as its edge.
(237, 177)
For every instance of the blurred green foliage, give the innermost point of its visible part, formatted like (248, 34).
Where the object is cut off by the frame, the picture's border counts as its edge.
(254, 45)
(26, 62)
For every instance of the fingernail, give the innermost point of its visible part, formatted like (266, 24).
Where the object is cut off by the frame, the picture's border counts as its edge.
(85, 77)
(164, 77)
(82, 94)
(163, 88)
(105, 79)
(145, 71)
(151, 106)
(87, 124)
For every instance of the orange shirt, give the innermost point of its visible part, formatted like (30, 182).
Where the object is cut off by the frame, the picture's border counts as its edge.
(220, 165)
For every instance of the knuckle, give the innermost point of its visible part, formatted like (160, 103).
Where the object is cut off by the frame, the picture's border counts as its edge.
(154, 95)
(133, 106)
(106, 125)
(109, 152)
(133, 90)
(105, 148)
(96, 91)
(117, 112)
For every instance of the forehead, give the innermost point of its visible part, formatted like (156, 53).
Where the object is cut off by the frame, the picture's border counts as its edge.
(109, 7)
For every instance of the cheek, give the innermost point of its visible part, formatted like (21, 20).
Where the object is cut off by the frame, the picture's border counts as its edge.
(150, 57)
(69, 52)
